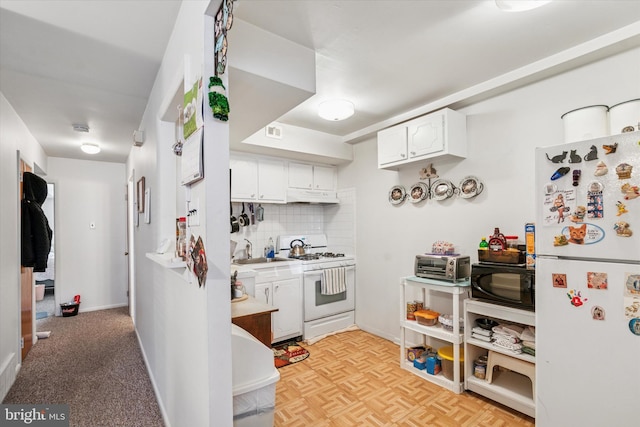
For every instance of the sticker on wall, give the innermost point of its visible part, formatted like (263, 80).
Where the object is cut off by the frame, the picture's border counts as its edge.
(634, 326)
(576, 298)
(629, 191)
(597, 312)
(555, 205)
(595, 205)
(559, 280)
(622, 208)
(622, 229)
(597, 280)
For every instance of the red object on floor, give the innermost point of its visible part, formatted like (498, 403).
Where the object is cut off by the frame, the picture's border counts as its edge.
(288, 353)
(76, 299)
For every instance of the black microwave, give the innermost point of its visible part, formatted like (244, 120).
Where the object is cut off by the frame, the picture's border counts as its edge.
(504, 284)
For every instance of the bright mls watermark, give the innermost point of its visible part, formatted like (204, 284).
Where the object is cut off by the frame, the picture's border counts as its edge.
(34, 415)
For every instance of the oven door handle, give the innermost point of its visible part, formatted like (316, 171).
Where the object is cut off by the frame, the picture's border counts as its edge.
(319, 271)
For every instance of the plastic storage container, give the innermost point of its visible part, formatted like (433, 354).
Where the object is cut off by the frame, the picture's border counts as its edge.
(427, 317)
(254, 377)
(446, 354)
(39, 292)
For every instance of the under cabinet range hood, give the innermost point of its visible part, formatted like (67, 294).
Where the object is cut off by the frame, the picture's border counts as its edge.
(299, 195)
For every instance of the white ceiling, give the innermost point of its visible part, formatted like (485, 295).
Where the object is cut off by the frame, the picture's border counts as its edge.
(65, 62)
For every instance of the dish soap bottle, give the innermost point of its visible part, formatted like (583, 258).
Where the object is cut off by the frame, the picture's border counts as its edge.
(270, 250)
(497, 242)
(483, 243)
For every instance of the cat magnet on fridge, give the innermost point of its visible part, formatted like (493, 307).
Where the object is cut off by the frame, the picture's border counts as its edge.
(558, 158)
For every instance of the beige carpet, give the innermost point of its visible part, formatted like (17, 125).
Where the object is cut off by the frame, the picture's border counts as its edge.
(93, 363)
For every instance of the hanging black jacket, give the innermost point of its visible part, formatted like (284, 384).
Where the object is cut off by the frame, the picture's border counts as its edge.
(36, 233)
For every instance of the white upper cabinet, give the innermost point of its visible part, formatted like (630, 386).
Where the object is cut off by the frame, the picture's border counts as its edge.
(257, 179)
(442, 133)
(312, 177)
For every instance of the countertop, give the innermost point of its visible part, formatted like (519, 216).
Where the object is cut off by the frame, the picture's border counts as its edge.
(250, 307)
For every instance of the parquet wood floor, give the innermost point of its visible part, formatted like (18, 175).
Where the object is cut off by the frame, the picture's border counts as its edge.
(354, 379)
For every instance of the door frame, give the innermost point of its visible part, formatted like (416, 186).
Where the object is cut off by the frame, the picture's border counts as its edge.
(132, 209)
(26, 302)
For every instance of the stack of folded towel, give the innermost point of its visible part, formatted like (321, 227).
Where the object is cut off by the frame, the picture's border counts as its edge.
(508, 337)
(481, 334)
(528, 338)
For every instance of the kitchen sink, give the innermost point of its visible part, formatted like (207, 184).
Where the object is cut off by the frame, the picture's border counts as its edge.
(261, 260)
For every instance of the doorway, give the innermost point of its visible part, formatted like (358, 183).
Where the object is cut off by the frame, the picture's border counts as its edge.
(45, 281)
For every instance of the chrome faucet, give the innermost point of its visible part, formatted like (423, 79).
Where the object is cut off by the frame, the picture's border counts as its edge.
(249, 248)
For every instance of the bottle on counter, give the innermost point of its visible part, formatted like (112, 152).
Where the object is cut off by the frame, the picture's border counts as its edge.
(270, 251)
(483, 243)
(497, 242)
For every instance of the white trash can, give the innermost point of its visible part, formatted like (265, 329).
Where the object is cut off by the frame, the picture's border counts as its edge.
(39, 292)
(254, 378)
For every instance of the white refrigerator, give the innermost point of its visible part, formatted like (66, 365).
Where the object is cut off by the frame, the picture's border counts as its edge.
(587, 239)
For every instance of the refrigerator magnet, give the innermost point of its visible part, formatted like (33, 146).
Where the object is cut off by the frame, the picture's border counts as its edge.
(597, 280)
(592, 154)
(559, 280)
(634, 326)
(623, 229)
(610, 148)
(631, 307)
(601, 169)
(595, 203)
(597, 312)
(622, 208)
(632, 284)
(578, 214)
(630, 191)
(576, 298)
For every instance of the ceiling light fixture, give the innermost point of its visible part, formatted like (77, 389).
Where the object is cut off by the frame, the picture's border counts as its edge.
(520, 5)
(90, 148)
(335, 109)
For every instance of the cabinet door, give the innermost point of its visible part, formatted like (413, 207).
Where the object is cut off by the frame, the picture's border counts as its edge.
(271, 181)
(324, 178)
(300, 176)
(426, 135)
(263, 293)
(392, 145)
(244, 179)
(287, 297)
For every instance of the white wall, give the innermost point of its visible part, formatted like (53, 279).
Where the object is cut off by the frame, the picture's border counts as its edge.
(90, 262)
(502, 134)
(14, 137)
(183, 329)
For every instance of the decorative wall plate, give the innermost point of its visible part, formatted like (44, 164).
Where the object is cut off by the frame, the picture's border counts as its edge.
(397, 194)
(442, 189)
(418, 192)
(470, 186)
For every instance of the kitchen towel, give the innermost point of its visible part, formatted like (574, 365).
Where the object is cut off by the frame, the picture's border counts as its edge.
(334, 281)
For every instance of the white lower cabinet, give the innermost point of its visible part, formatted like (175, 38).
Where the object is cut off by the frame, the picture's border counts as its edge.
(286, 296)
(444, 297)
(513, 378)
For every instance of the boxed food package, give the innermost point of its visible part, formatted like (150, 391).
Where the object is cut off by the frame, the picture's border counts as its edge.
(530, 243)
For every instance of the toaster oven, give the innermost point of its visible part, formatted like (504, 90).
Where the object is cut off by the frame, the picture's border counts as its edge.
(443, 267)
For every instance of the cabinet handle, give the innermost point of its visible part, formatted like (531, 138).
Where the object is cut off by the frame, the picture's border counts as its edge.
(310, 185)
(266, 294)
(262, 196)
(253, 195)
(403, 155)
(413, 153)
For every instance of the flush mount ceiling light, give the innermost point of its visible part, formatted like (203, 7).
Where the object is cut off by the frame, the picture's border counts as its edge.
(520, 5)
(90, 148)
(335, 109)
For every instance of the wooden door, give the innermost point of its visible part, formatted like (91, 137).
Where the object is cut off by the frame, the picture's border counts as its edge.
(26, 289)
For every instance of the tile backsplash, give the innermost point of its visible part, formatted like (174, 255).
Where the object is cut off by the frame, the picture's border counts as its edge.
(336, 221)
